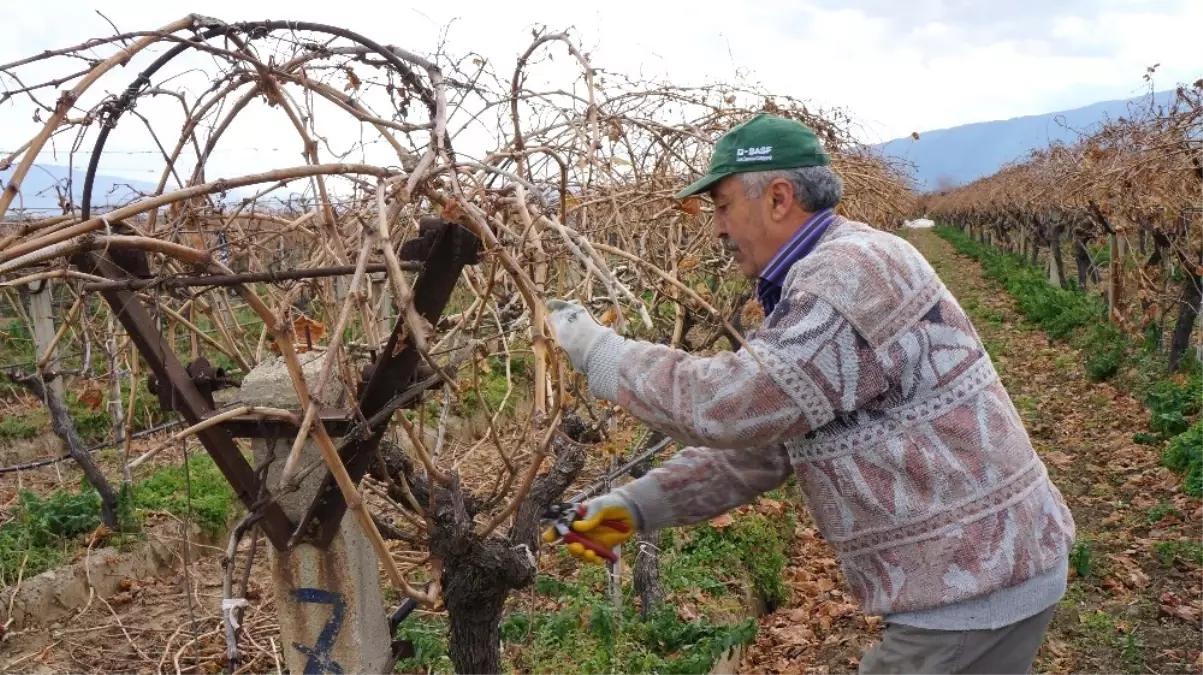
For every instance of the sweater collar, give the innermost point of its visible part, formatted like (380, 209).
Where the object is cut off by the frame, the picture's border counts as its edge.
(798, 247)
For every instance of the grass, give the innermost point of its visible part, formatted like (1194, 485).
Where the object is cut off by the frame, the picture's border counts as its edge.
(1160, 511)
(210, 499)
(45, 531)
(16, 348)
(703, 565)
(493, 384)
(1105, 629)
(93, 425)
(752, 545)
(1174, 400)
(1081, 558)
(20, 427)
(1185, 551)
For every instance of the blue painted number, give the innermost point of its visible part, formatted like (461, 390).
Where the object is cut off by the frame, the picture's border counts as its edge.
(320, 659)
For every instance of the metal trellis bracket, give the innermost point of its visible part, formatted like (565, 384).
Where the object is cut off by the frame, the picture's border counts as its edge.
(443, 248)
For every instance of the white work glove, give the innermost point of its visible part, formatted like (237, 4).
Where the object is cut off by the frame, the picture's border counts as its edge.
(576, 331)
(592, 348)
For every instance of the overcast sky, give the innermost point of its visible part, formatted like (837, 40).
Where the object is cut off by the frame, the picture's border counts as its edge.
(897, 66)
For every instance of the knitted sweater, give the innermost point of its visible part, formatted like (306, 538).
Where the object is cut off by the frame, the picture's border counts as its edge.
(870, 383)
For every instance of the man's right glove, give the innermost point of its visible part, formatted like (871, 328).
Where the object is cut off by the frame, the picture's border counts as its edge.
(576, 331)
(609, 520)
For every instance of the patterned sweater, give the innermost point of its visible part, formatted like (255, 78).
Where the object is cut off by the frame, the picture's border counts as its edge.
(874, 388)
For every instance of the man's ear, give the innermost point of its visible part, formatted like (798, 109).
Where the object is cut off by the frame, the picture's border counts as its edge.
(782, 196)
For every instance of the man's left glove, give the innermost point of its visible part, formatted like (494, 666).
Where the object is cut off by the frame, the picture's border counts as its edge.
(608, 521)
(576, 331)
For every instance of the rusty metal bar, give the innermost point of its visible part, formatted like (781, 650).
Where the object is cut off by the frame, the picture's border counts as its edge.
(187, 399)
(246, 277)
(448, 248)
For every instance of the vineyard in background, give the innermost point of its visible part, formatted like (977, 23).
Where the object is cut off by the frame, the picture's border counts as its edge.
(1125, 204)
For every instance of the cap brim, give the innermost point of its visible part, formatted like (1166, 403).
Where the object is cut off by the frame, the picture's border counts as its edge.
(701, 185)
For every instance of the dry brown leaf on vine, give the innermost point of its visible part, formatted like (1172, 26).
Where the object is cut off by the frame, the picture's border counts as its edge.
(1058, 459)
(794, 634)
(690, 205)
(452, 211)
(752, 313)
(1173, 605)
(92, 396)
(97, 536)
(687, 263)
(608, 317)
(770, 506)
(307, 332)
(352, 80)
(614, 132)
(687, 612)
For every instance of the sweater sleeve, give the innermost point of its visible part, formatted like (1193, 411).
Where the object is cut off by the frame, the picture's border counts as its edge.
(700, 483)
(813, 366)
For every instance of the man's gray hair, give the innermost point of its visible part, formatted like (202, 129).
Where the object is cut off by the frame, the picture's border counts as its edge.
(815, 187)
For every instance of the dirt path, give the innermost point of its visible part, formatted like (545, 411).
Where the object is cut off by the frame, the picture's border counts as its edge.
(1136, 608)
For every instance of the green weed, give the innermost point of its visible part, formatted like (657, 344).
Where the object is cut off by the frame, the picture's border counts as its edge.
(1170, 552)
(1080, 558)
(19, 427)
(39, 535)
(1100, 623)
(493, 385)
(1161, 510)
(1172, 404)
(1184, 454)
(210, 498)
(44, 530)
(584, 634)
(1068, 314)
(1132, 649)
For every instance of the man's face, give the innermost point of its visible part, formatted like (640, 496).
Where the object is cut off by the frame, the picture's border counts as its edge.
(740, 225)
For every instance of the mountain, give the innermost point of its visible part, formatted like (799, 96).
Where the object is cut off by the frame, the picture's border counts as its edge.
(959, 155)
(39, 196)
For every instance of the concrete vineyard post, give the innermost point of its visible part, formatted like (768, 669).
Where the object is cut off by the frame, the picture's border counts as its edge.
(329, 602)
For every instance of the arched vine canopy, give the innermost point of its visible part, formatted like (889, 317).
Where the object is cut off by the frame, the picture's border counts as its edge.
(568, 187)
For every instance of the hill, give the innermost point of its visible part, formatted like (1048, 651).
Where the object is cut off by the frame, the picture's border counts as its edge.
(39, 194)
(959, 155)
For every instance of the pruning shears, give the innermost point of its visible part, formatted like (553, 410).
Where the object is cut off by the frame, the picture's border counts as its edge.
(561, 517)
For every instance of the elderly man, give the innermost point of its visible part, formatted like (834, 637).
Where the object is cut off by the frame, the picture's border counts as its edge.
(868, 381)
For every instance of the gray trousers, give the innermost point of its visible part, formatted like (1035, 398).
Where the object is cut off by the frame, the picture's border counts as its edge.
(1010, 649)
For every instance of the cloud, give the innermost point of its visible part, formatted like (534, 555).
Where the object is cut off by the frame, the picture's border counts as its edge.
(993, 21)
(897, 67)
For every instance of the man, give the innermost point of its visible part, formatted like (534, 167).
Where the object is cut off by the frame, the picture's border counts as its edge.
(869, 382)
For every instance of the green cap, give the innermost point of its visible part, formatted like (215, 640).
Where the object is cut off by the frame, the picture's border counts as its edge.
(764, 143)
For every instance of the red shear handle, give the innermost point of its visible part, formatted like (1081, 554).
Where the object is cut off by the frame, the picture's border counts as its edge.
(601, 551)
(616, 525)
(597, 548)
